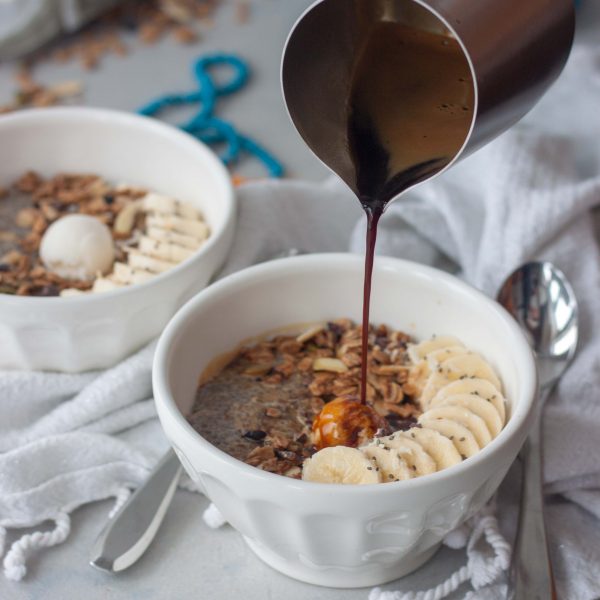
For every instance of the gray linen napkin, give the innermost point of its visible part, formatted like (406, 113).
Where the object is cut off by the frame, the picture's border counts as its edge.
(523, 198)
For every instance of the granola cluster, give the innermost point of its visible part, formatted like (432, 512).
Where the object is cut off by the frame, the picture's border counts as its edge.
(328, 357)
(30, 205)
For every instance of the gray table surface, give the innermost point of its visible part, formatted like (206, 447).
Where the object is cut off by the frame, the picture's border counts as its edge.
(188, 560)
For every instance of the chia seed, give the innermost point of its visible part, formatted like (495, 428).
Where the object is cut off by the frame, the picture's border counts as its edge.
(255, 435)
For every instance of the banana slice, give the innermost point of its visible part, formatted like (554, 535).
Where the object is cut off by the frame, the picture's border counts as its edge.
(172, 237)
(440, 448)
(440, 356)
(391, 465)
(104, 284)
(153, 202)
(195, 228)
(458, 434)
(417, 352)
(482, 408)
(124, 274)
(436, 380)
(137, 260)
(422, 372)
(476, 425)
(340, 464)
(419, 376)
(71, 292)
(478, 387)
(470, 365)
(164, 250)
(413, 454)
(174, 230)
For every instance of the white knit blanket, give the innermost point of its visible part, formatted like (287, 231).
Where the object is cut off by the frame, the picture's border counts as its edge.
(66, 440)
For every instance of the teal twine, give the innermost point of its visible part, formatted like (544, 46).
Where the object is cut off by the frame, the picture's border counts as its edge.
(204, 125)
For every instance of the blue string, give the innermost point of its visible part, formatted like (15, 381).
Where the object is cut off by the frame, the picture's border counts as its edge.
(204, 125)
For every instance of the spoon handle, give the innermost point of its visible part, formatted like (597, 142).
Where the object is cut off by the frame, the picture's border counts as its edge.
(132, 529)
(531, 569)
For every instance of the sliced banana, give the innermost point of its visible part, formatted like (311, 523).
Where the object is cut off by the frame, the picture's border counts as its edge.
(470, 365)
(478, 387)
(340, 464)
(458, 434)
(390, 463)
(436, 380)
(70, 292)
(104, 284)
(413, 454)
(476, 425)
(440, 448)
(172, 237)
(464, 410)
(482, 408)
(153, 202)
(417, 352)
(126, 275)
(419, 376)
(427, 374)
(440, 356)
(174, 230)
(197, 229)
(137, 260)
(164, 250)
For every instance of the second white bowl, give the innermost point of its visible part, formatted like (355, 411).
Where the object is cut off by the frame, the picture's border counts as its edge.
(96, 331)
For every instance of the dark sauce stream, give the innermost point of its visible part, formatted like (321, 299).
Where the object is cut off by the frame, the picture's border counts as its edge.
(410, 110)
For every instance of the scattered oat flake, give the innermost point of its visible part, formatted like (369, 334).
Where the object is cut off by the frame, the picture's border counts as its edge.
(310, 333)
(334, 365)
(242, 12)
(185, 35)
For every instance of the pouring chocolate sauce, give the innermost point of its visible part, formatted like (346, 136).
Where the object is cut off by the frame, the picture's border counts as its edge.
(387, 93)
(410, 111)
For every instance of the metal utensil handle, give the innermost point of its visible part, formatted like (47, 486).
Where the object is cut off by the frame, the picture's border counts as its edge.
(132, 529)
(531, 569)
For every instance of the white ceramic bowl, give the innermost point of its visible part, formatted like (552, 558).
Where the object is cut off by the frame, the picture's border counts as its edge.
(96, 331)
(335, 535)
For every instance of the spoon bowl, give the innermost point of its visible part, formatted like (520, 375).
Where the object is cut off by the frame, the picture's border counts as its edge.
(542, 301)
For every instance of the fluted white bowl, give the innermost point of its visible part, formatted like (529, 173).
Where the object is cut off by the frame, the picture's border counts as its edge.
(340, 535)
(96, 331)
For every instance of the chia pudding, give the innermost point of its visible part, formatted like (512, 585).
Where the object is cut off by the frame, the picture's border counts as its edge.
(291, 405)
(262, 407)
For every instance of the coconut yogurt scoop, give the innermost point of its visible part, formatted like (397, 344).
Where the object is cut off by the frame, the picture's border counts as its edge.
(77, 247)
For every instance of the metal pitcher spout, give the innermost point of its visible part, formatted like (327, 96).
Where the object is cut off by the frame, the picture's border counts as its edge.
(514, 50)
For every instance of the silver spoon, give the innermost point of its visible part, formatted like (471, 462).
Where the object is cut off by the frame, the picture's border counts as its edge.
(542, 301)
(132, 528)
